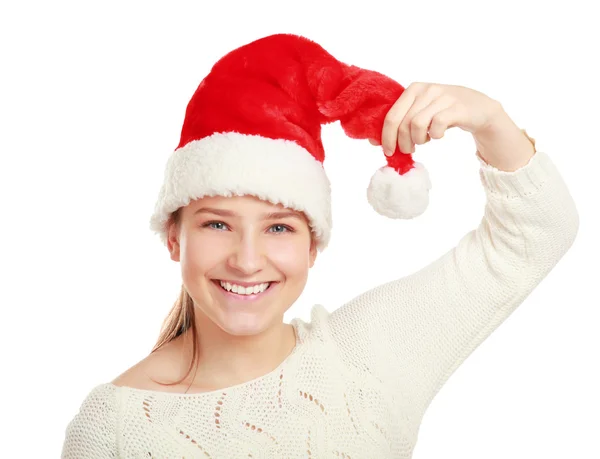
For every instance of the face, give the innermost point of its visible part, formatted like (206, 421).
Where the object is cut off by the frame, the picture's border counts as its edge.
(225, 241)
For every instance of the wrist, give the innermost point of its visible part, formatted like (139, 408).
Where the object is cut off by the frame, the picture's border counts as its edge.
(503, 145)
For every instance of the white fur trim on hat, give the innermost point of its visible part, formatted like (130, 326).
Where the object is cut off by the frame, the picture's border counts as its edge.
(228, 164)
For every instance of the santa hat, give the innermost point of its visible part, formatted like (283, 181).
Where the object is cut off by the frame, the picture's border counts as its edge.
(253, 127)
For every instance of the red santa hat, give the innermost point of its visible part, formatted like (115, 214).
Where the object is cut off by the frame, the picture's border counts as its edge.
(253, 127)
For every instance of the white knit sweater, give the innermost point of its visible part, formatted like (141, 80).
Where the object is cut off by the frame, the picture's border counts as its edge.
(360, 378)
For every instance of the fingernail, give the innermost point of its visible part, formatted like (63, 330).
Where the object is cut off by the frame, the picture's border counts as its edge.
(388, 152)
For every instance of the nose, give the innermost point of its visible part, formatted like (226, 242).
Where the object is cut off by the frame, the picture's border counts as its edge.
(247, 255)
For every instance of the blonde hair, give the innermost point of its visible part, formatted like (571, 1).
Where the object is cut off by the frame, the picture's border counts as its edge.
(181, 317)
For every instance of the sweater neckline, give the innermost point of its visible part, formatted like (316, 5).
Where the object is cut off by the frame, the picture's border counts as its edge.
(299, 333)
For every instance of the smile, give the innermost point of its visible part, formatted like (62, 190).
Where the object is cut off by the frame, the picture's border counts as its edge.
(231, 291)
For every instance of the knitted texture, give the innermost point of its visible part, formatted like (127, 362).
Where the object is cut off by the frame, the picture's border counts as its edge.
(360, 378)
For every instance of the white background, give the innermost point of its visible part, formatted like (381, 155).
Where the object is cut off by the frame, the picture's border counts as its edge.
(92, 101)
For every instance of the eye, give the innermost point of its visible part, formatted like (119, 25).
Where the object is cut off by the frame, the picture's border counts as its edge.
(213, 223)
(282, 226)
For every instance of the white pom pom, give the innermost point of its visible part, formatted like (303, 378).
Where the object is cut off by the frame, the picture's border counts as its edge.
(400, 196)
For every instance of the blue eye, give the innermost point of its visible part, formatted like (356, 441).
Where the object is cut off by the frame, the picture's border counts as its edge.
(287, 228)
(213, 223)
(283, 226)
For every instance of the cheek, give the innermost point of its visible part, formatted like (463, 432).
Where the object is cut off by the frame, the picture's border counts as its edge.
(199, 254)
(290, 257)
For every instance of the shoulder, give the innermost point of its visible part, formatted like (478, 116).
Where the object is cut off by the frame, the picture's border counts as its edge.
(136, 376)
(163, 365)
(92, 432)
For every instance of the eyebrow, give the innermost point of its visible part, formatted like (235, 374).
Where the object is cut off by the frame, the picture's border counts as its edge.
(267, 216)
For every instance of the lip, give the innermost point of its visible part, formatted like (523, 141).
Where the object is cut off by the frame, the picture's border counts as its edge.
(243, 284)
(231, 296)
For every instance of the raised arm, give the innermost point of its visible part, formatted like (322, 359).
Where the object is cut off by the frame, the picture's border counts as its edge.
(412, 333)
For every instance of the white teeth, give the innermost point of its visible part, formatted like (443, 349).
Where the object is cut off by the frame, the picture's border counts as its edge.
(259, 288)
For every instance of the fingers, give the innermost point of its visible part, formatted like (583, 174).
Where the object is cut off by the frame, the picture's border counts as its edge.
(414, 126)
(431, 121)
(394, 117)
(421, 113)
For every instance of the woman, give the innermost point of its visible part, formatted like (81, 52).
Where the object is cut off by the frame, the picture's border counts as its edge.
(245, 208)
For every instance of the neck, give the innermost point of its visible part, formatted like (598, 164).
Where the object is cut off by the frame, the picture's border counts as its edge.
(225, 360)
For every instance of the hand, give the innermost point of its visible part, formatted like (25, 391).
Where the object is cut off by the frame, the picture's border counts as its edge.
(425, 111)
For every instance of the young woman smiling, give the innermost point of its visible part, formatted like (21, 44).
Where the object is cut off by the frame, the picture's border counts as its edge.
(245, 208)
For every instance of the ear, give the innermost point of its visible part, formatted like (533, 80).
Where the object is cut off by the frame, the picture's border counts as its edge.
(173, 242)
(312, 253)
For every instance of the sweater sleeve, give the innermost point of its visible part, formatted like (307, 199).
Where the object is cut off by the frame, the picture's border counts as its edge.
(91, 434)
(412, 333)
